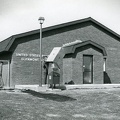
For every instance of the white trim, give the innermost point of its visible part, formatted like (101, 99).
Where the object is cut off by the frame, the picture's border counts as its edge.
(104, 65)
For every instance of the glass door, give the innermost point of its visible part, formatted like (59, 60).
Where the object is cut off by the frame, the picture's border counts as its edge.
(87, 69)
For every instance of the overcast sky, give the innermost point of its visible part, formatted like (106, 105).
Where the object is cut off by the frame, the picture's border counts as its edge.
(18, 16)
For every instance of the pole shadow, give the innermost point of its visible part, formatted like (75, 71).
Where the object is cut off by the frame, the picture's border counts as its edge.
(50, 96)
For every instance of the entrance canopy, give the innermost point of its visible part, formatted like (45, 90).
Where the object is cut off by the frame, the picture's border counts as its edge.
(53, 54)
(58, 53)
(70, 47)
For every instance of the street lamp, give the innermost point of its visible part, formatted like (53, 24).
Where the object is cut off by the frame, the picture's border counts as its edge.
(41, 19)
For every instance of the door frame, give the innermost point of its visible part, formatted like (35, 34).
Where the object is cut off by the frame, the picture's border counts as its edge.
(8, 72)
(91, 68)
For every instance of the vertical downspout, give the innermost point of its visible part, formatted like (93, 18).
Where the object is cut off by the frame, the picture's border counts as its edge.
(104, 65)
(104, 69)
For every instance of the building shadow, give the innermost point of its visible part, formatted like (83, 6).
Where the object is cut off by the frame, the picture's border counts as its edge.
(50, 96)
(106, 78)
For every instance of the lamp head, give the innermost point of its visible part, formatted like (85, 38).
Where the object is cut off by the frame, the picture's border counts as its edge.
(41, 19)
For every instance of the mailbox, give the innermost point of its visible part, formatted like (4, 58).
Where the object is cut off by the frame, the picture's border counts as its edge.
(53, 78)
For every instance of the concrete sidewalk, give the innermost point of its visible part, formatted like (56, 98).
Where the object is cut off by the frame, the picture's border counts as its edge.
(68, 87)
(93, 86)
(37, 88)
(32, 87)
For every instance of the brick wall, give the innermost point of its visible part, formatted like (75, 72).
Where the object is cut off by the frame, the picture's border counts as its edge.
(25, 61)
(28, 71)
(75, 62)
(67, 70)
(88, 31)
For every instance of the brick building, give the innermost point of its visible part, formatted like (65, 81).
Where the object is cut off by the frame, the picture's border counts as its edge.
(90, 54)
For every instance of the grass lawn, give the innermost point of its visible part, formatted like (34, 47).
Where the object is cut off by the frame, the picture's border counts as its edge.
(79, 104)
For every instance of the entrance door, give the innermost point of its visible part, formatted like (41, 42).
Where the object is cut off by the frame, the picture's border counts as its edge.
(87, 69)
(5, 73)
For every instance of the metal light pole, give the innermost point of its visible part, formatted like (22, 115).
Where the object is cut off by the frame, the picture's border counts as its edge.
(41, 19)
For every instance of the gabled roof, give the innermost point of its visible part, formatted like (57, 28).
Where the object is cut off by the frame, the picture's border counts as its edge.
(71, 48)
(6, 44)
(58, 53)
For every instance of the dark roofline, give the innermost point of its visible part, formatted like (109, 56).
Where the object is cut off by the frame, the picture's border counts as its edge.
(81, 21)
(12, 38)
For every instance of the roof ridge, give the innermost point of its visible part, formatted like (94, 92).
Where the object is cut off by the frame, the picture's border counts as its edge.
(13, 37)
(64, 25)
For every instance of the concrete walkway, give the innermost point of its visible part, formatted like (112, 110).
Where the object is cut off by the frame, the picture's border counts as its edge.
(93, 86)
(68, 87)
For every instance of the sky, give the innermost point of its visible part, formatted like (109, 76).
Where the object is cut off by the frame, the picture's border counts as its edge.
(19, 16)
